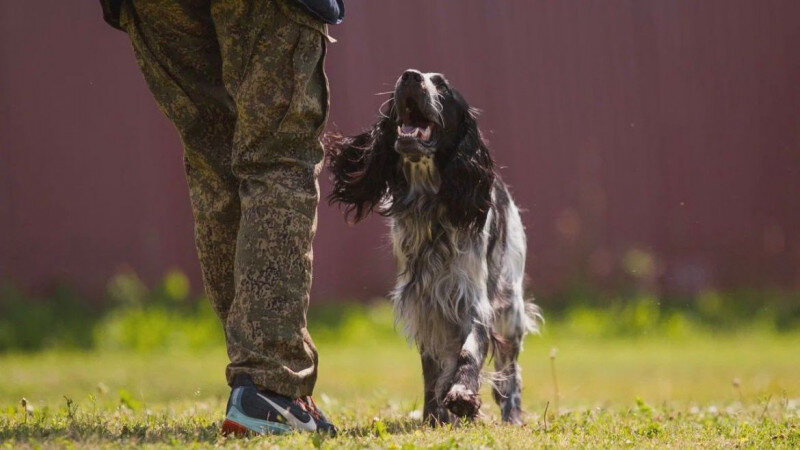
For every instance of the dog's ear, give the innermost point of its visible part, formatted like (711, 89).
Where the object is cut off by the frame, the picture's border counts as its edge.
(468, 176)
(363, 168)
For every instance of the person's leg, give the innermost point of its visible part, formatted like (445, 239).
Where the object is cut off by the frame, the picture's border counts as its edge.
(275, 163)
(177, 50)
(273, 69)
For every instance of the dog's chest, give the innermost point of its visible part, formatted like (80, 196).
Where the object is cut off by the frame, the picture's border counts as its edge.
(437, 264)
(422, 245)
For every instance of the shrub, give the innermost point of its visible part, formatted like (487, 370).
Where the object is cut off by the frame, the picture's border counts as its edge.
(136, 317)
(161, 318)
(60, 320)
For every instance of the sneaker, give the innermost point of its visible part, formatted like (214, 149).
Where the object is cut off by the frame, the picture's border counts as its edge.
(263, 412)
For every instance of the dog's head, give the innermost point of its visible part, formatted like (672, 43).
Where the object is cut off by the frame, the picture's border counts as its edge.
(425, 145)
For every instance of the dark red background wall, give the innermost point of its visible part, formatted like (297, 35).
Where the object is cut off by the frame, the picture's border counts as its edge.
(658, 136)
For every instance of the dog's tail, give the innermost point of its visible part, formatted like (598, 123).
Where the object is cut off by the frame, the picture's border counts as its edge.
(506, 343)
(532, 317)
(516, 323)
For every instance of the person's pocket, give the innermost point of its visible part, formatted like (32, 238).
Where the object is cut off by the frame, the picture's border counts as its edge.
(295, 12)
(308, 106)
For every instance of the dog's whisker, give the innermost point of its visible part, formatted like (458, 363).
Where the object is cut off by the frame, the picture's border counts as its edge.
(380, 109)
(438, 107)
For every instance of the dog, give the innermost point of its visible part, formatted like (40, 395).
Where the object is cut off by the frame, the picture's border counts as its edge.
(457, 237)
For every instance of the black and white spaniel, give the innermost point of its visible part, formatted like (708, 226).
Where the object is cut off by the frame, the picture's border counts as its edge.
(457, 237)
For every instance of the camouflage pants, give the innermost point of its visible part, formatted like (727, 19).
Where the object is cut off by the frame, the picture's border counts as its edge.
(243, 82)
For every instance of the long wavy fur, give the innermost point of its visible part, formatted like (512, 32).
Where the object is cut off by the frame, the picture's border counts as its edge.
(363, 168)
(459, 243)
(366, 172)
(467, 176)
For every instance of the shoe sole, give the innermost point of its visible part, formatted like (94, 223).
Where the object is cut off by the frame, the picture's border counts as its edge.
(238, 424)
(231, 428)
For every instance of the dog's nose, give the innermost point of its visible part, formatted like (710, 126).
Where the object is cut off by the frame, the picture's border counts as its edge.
(412, 75)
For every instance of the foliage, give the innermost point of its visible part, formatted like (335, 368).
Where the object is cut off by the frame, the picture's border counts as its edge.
(136, 317)
(581, 428)
(29, 323)
(635, 312)
(162, 318)
(735, 390)
(633, 370)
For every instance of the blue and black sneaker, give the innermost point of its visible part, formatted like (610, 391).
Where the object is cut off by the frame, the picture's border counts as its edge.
(263, 412)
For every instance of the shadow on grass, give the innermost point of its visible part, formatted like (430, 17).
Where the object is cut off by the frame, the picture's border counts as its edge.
(154, 429)
(104, 431)
(383, 428)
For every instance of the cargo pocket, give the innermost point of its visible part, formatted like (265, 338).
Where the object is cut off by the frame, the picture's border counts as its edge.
(309, 102)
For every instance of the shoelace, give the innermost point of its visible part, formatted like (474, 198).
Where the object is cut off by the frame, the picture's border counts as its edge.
(307, 403)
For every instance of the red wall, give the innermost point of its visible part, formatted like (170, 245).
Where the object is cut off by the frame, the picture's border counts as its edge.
(668, 126)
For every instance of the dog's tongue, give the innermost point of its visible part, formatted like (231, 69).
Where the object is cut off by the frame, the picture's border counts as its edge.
(408, 129)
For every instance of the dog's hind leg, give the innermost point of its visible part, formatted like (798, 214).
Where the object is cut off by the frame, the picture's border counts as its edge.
(513, 319)
(507, 385)
(462, 398)
(433, 412)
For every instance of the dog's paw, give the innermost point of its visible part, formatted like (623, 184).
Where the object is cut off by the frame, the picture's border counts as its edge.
(437, 417)
(514, 417)
(462, 402)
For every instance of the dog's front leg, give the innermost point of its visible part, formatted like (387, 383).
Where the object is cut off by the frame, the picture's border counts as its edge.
(433, 412)
(462, 399)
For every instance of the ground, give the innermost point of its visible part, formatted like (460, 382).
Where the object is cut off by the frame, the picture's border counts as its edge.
(711, 390)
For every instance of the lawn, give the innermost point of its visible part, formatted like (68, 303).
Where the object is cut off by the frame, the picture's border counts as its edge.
(702, 389)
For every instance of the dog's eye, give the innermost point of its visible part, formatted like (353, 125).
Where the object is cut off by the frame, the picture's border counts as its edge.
(439, 82)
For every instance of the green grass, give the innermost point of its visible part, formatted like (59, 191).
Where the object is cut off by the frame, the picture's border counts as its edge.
(646, 391)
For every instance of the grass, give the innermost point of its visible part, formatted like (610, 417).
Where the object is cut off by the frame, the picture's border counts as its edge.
(646, 391)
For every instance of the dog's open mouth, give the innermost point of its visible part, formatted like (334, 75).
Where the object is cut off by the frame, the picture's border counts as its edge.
(414, 124)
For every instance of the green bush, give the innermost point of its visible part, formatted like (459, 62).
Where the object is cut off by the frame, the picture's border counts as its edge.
(155, 327)
(352, 323)
(767, 308)
(631, 318)
(60, 320)
(136, 317)
(162, 318)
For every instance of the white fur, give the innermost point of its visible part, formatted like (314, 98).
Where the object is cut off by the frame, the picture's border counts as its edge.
(521, 317)
(446, 283)
(443, 273)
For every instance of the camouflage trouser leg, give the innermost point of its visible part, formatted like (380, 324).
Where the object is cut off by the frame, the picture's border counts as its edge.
(243, 82)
